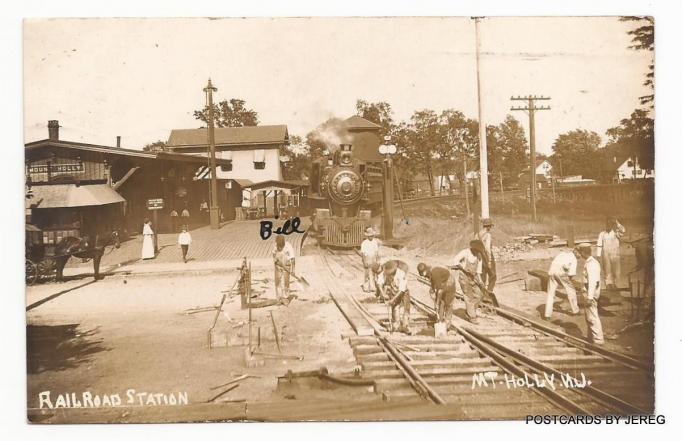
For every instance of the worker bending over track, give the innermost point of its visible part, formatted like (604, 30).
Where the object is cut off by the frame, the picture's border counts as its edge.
(391, 284)
(443, 289)
(469, 269)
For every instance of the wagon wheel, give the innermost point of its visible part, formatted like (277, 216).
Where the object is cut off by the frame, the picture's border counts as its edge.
(46, 266)
(31, 272)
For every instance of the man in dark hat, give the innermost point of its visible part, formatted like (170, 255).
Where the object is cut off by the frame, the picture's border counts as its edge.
(443, 289)
(489, 269)
(469, 265)
(592, 277)
(391, 282)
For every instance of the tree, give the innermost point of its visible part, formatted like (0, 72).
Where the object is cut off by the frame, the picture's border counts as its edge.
(643, 39)
(232, 113)
(511, 148)
(379, 113)
(634, 138)
(460, 140)
(579, 153)
(154, 147)
(295, 157)
(426, 140)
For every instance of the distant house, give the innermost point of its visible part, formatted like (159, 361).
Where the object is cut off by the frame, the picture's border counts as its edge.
(574, 180)
(254, 152)
(543, 167)
(251, 170)
(629, 169)
(541, 181)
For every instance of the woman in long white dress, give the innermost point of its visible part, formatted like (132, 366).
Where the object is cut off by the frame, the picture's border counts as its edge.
(147, 241)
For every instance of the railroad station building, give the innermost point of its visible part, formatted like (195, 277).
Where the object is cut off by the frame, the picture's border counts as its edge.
(74, 188)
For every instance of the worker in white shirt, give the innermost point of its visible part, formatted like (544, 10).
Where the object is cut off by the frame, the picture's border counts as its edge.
(184, 239)
(391, 283)
(562, 271)
(592, 277)
(469, 266)
(608, 249)
(369, 250)
(285, 260)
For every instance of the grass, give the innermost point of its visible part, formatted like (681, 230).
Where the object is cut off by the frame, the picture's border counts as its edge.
(442, 227)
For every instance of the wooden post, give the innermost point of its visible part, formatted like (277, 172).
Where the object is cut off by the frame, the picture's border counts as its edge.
(248, 303)
(554, 190)
(501, 188)
(155, 217)
(276, 206)
(570, 236)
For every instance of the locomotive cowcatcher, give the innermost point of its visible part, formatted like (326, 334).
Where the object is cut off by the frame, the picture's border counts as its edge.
(344, 191)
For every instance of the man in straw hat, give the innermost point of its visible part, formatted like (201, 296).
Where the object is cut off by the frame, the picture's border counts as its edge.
(562, 272)
(369, 250)
(285, 258)
(469, 265)
(592, 278)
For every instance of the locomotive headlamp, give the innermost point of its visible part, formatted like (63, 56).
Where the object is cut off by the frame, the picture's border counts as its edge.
(389, 149)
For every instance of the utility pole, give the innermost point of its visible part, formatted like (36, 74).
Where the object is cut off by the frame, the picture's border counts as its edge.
(485, 207)
(213, 193)
(531, 108)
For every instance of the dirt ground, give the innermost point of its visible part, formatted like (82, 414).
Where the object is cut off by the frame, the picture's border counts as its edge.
(133, 333)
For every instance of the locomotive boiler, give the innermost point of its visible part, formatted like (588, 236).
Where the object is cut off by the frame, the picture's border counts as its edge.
(344, 191)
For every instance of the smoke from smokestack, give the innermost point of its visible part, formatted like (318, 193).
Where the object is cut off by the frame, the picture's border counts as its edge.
(332, 133)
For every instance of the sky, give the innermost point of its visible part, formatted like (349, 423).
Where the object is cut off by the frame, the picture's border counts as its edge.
(141, 78)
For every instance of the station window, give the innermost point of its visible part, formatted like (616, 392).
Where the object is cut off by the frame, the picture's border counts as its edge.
(259, 165)
(226, 167)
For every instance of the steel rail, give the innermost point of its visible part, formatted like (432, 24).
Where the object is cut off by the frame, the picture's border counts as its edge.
(588, 390)
(552, 396)
(419, 384)
(576, 342)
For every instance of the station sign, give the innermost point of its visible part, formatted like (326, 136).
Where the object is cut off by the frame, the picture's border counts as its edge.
(155, 204)
(57, 168)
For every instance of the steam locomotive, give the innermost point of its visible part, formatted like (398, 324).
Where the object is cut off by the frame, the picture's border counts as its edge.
(344, 192)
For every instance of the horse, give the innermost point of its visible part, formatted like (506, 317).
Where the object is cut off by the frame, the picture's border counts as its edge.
(84, 248)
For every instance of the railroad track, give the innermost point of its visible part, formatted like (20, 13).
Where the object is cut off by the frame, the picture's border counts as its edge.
(496, 369)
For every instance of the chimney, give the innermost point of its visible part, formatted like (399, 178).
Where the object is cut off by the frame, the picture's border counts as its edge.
(53, 130)
(118, 142)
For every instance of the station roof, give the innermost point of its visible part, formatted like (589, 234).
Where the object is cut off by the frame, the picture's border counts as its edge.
(230, 136)
(36, 146)
(274, 184)
(357, 122)
(71, 195)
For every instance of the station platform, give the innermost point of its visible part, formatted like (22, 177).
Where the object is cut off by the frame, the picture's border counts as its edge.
(232, 242)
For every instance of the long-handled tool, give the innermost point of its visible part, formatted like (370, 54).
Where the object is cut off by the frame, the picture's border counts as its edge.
(297, 278)
(215, 320)
(479, 284)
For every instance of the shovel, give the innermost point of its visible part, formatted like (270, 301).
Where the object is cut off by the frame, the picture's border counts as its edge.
(491, 295)
(297, 278)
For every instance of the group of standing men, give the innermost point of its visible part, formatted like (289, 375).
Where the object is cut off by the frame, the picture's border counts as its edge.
(563, 270)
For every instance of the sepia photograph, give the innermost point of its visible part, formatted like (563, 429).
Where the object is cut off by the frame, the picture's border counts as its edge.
(339, 219)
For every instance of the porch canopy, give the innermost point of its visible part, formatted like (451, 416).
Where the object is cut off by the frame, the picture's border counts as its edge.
(72, 195)
(283, 186)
